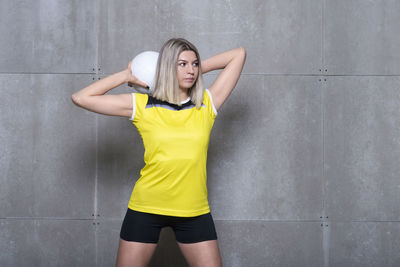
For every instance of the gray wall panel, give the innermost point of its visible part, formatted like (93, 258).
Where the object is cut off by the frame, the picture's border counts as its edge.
(266, 150)
(365, 244)
(107, 232)
(47, 36)
(262, 243)
(32, 243)
(362, 37)
(279, 35)
(48, 155)
(120, 159)
(362, 148)
(126, 29)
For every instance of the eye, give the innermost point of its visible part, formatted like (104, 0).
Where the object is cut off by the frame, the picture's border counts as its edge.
(196, 64)
(182, 64)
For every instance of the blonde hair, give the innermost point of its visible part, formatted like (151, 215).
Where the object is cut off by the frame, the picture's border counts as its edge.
(167, 86)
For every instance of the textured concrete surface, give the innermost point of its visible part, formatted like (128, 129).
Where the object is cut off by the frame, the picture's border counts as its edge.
(126, 29)
(365, 244)
(278, 35)
(362, 148)
(47, 242)
(48, 148)
(120, 159)
(47, 36)
(266, 151)
(362, 37)
(261, 243)
(303, 160)
(107, 232)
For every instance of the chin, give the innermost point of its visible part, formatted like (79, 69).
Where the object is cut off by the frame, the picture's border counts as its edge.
(186, 87)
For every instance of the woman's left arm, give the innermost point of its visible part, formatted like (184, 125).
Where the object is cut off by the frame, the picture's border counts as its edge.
(231, 62)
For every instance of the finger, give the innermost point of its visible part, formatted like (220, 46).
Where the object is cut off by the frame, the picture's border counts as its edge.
(142, 84)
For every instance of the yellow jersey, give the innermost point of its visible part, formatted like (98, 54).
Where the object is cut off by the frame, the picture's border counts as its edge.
(174, 179)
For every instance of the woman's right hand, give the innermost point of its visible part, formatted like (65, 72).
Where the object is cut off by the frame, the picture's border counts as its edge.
(132, 79)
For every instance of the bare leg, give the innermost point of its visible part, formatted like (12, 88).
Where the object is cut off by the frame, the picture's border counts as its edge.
(134, 254)
(204, 253)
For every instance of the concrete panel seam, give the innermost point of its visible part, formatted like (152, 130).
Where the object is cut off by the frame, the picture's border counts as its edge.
(46, 219)
(365, 221)
(322, 109)
(95, 208)
(270, 221)
(276, 74)
(326, 233)
(41, 73)
(323, 25)
(280, 74)
(360, 75)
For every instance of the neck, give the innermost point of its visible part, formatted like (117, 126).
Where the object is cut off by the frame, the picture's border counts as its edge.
(183, 94)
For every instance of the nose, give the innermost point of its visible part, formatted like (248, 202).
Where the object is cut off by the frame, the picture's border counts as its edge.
(190, 69)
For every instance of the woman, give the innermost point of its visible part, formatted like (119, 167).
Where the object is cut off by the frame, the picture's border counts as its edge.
(175, 125)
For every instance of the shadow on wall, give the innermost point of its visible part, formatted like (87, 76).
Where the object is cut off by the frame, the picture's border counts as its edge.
(168, 252)
(120, 149)
(232, 121)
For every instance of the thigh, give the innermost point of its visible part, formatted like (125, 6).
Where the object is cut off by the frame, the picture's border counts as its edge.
(194, 229)
(141, 227)
(204, 253)
(139, 237)
(134, 254)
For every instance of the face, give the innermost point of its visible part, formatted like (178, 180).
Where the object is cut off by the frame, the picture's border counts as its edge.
(187, 69)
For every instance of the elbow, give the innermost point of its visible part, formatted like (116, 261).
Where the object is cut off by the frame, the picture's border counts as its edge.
(240, 54)
(242, 51)
(76, 99)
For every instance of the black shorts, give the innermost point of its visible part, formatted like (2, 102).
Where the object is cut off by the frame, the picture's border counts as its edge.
(146, 227)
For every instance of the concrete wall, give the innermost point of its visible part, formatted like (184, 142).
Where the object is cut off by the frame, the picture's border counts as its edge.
(303, 159)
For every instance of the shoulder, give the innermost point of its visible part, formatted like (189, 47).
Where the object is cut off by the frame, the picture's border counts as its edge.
(140, 97)
(209, 102)
(139, 102)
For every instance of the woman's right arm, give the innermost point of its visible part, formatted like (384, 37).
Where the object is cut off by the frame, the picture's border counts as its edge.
(94, 98)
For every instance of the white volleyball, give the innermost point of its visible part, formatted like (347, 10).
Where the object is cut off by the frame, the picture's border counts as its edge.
(144, 67)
